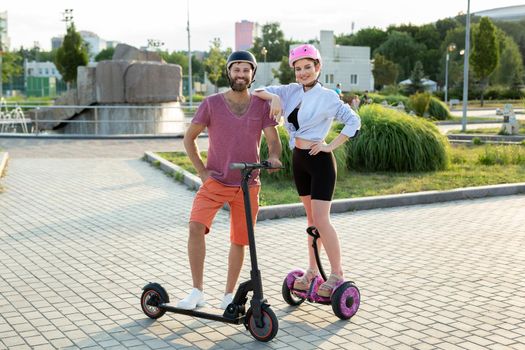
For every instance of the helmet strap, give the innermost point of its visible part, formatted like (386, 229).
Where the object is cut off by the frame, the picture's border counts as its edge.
(312, 84)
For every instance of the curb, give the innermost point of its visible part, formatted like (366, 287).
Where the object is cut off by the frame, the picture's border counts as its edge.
(4, 157)
(362, 203)
(486, 137)
(192, 181)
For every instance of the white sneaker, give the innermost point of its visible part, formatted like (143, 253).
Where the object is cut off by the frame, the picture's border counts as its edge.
(227, 300)
(194, 299)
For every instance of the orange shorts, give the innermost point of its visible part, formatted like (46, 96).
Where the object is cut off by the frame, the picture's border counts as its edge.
(211, 197)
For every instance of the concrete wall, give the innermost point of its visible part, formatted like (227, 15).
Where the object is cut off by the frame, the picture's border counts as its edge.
(122, 119)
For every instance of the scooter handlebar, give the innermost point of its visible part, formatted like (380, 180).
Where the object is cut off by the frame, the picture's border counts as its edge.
(262, 165)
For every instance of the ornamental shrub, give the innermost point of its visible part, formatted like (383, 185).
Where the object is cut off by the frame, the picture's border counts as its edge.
(438, 110)
(286, 157)
(419, 103)
(394, 141)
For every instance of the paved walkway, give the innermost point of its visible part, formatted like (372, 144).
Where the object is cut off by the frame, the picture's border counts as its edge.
(79, 237)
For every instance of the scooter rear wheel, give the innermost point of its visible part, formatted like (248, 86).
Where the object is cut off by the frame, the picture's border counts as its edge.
(152, 296)
(270, 325)
(346, 300)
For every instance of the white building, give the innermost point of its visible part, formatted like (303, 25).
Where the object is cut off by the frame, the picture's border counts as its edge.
(94, 42)
(428, 85)
(5, 42)
(41, 69)
(348, 65)
(509, 13)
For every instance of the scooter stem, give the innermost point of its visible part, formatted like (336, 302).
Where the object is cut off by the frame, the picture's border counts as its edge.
(312, 231)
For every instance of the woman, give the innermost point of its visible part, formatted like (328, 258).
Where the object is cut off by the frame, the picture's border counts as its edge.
(309, 110)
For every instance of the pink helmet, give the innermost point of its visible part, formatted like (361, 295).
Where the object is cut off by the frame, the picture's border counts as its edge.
(303, 51)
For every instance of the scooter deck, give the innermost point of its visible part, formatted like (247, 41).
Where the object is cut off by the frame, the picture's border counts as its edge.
(206, 315)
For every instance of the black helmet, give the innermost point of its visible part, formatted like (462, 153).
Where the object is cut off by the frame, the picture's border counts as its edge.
(241, 56)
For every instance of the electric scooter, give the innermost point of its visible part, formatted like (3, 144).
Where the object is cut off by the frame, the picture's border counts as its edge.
(345, 297)
(260, 320)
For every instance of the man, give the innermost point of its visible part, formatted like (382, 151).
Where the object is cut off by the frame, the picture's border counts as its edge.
(235, 120)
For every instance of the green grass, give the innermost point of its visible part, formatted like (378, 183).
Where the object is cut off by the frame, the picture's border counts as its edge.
(31, 100)
(464, 170)
(476, 119)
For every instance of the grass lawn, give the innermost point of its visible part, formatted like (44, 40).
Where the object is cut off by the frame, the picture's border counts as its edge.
(494, 103)
(465, 170)
(476, 119)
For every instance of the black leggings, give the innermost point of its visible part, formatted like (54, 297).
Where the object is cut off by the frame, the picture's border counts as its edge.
(314, 175)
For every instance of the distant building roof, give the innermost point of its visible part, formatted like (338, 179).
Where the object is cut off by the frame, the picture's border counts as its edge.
(509, 13)
(426, 82)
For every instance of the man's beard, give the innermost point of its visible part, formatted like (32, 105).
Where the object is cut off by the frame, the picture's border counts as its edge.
(240, 86)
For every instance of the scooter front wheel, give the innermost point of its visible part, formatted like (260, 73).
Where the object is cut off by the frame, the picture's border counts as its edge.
(152, 296)
(270, 325)
(346, 300)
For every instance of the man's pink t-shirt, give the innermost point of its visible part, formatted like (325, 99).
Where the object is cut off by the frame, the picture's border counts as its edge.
(232, 138)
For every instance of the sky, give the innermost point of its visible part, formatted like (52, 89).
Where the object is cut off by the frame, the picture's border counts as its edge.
(134, 22)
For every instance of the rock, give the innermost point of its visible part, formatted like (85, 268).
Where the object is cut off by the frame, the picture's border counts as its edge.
(109, 81)
(129, 53)
(86, 85)
(150, 82)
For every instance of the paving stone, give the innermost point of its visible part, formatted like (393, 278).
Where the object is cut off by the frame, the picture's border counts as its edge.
(84, 228)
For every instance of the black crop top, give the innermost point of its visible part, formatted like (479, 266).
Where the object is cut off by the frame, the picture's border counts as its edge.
(292, 118)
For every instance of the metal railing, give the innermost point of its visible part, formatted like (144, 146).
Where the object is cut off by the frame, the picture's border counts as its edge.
(95, 120)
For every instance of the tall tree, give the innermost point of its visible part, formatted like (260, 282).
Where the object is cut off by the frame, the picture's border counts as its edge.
(72, 54)
(510, 64)
(285, 74)
(12, 65)
(516, 30)
(372, 37)
(215, 63)
(106, 54)
(410, 29)
(416, 77)
(274, 44)
(444, 25)
(402, 49)
(385, 71)
(485, 53)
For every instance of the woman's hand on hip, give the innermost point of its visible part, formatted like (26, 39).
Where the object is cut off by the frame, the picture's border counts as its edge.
(319, 147)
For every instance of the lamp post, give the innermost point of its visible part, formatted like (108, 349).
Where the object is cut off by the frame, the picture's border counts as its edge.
(465, 71)
(190, 79)
(1, 76)
(67, 16)
(264, 51)
(450, 48)
(155, 44)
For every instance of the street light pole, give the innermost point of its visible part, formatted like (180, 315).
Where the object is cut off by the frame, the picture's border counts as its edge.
(155, 44)
(450, 48)
(1, 53)
(465, 71)
(264, 51)
(190, 87)
(67, 17)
